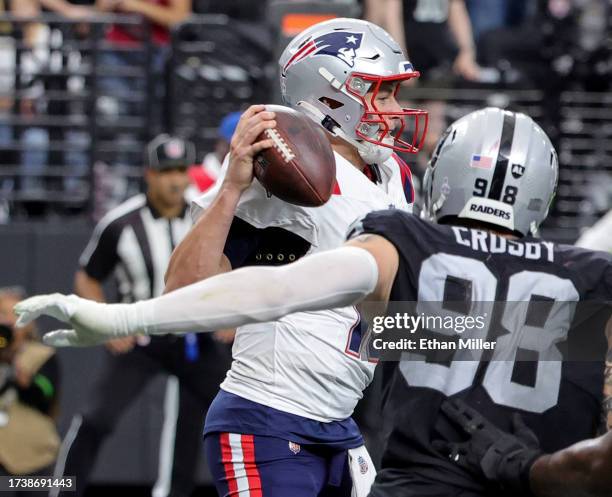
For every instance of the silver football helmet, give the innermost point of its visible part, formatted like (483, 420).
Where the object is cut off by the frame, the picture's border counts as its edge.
(333, 71)
(494, 166)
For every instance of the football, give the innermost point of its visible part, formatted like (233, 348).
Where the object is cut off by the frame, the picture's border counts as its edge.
(300, 168)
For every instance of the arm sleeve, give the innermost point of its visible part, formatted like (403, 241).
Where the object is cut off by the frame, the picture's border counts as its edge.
(330, 279)
(335, 278)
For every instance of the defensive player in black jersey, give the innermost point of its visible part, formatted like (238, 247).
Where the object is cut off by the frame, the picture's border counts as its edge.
(489, 186)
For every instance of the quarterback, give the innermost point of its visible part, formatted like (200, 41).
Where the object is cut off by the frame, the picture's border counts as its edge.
(285, 406)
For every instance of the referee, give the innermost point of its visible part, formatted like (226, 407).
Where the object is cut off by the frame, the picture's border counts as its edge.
(133, 242)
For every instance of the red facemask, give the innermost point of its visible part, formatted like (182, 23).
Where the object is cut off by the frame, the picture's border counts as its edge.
(373, 128)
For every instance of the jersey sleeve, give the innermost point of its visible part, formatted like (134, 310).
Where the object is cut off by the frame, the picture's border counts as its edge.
(401, 229)
(100, 256)
(390, 224)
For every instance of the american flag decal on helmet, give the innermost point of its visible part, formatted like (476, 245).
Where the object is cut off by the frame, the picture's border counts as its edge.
(340, 44)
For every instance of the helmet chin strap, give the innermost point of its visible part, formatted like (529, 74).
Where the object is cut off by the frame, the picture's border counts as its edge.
(369, 152)
(373, 154)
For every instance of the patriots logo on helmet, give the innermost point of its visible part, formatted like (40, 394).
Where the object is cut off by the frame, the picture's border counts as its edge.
(340, 44)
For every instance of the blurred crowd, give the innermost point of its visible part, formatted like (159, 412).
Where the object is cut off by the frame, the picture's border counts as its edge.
(86, 83)
(489, 41)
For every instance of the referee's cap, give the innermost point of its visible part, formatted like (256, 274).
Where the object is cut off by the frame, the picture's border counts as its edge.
(167, 152)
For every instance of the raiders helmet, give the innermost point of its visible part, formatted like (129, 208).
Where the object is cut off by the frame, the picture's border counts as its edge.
(493, 166)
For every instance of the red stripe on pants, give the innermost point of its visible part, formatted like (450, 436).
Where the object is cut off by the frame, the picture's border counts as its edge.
(226, 459)
(248, 452)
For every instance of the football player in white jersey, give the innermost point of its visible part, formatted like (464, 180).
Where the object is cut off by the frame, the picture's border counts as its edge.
(285, 406)
(281, 423)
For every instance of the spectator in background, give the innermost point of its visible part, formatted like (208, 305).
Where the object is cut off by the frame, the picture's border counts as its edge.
(64, 61)
(29, 384)
(489, 15)
(560, 44)
(246, 10)
(7, 83)
(436, 34)
(205, 175)
(25, 143)
(30, 67)
(122, 90)
(133, 242)
(119, 89)
(163, 15)
(486, 15)
(66, 9)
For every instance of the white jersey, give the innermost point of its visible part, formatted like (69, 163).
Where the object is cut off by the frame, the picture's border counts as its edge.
(309, 363)
(598, 236)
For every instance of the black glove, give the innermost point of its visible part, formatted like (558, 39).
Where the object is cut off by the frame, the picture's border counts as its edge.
(500, 457)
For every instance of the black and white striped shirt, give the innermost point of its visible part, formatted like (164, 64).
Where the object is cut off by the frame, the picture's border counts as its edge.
(135, 242)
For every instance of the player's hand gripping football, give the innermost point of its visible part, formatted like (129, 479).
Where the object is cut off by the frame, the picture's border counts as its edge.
(91, 322)
(244, 146)
(500, 457)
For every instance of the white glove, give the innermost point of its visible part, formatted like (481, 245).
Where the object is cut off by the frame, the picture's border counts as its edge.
(336, 278)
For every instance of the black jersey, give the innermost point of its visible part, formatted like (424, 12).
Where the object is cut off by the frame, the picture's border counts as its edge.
(560, 400)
